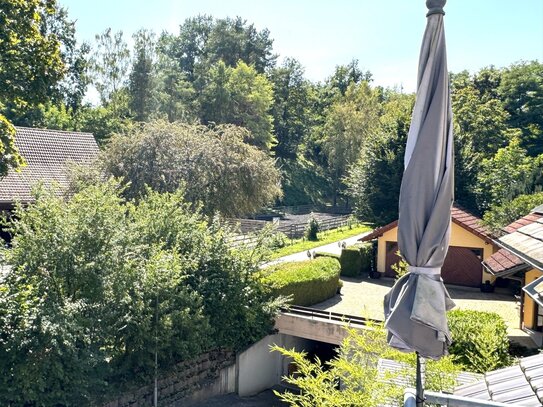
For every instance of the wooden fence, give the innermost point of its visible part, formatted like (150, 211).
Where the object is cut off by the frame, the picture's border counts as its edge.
(246, 229)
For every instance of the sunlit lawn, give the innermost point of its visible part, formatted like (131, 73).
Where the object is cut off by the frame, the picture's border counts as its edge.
(329, 236)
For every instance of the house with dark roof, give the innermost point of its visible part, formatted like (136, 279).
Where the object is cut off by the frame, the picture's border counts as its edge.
(470, 243)
(520, 258)
(47, 154)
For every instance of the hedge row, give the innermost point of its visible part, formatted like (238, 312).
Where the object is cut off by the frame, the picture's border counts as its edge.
(308, 282)
(354, 260)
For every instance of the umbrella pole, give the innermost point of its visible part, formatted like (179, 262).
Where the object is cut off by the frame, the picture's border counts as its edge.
(420, 388)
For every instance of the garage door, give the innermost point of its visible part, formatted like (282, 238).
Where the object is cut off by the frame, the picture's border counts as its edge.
(462, 265)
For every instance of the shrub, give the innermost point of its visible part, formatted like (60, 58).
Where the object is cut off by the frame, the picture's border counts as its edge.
(479, 340)
(356, 259)
(100, 284)
(351, 261)
(312, 229)
(277, 240)
(308, 282)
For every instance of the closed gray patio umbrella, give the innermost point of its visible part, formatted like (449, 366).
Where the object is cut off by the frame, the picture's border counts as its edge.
(415, 308)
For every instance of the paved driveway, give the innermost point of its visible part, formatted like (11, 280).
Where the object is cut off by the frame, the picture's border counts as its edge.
(364, 297)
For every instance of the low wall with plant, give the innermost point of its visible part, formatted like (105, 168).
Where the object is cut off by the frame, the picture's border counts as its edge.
(185, 381)
(308, 282)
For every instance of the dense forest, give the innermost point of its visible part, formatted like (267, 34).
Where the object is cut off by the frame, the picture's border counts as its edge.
(217, 83)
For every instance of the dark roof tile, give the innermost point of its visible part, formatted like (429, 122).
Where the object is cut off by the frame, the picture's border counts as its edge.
(47, 153)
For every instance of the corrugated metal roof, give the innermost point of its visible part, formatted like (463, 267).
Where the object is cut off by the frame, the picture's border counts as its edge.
(518, 385)
(46, 153)
(527, 243)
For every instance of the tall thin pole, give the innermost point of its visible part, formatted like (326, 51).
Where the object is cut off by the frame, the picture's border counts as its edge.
(419, 383)
(155, 393)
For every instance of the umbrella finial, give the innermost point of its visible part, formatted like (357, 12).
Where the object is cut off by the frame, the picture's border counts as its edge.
(435, 6)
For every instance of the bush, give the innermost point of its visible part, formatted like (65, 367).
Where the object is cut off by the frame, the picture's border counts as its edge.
(308, 282)
(100, 284)
(312, 229)
(351, 261)
(277, 240)
(480, 340)
(356, 259)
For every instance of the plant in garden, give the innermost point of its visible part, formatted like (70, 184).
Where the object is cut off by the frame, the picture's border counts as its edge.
(98, 285)
(353, 377)
(401, 268)
(312, 228)
(480, 340)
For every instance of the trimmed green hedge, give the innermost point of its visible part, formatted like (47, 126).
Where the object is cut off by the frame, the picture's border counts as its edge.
(480, 340)
(309, 282)
(356, 259)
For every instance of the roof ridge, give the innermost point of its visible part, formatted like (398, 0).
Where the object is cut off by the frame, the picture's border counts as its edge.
(53, 130)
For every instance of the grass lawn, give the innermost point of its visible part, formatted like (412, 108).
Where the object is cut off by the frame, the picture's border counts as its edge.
(329, 236)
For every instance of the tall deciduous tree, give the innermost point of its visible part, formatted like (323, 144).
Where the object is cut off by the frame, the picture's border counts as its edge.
(30, 66)
(349, 123)
(240, 96)
(110, 64)
(292, 107)
(218, 170)
(374, 181)
(521, 89)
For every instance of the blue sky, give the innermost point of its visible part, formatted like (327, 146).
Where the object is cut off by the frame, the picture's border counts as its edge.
(383, 35)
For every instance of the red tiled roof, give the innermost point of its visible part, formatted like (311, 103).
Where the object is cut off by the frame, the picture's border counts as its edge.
(379, 231)
(526, 220)
(502, 261)
(47, 153)
(459, 216)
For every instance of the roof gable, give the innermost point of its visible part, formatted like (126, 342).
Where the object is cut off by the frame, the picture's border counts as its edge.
(459, 216)
(47, 153)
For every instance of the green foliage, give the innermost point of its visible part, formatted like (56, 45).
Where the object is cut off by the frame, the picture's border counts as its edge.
(141, 81)
(292, 110)
(278, 240)
(499, 216)
(218, 169)
(240, 96)
(351, 261)
(308, 282)
(401, 268)
(480, 340)
(349, 122)
(374, 181)
(312, 229)
(521, 89)
(303, 181)
(511, 172)
(98, 285)
(110, 63)
(356, 259)
(9, 156)
(30, 66)
(352, 378)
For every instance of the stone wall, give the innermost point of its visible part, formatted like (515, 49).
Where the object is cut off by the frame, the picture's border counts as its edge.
(205, 376)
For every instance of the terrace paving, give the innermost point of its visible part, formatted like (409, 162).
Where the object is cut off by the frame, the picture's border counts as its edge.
(364, 297)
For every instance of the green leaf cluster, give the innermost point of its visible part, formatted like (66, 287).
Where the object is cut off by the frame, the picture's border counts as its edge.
(480, 340)
(98, 285)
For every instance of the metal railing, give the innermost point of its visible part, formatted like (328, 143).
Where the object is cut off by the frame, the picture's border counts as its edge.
(449, 400)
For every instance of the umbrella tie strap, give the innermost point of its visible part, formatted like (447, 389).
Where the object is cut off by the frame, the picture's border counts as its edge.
(425, 271)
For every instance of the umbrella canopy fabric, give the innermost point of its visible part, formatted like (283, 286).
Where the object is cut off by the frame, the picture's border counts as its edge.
(415, 308)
